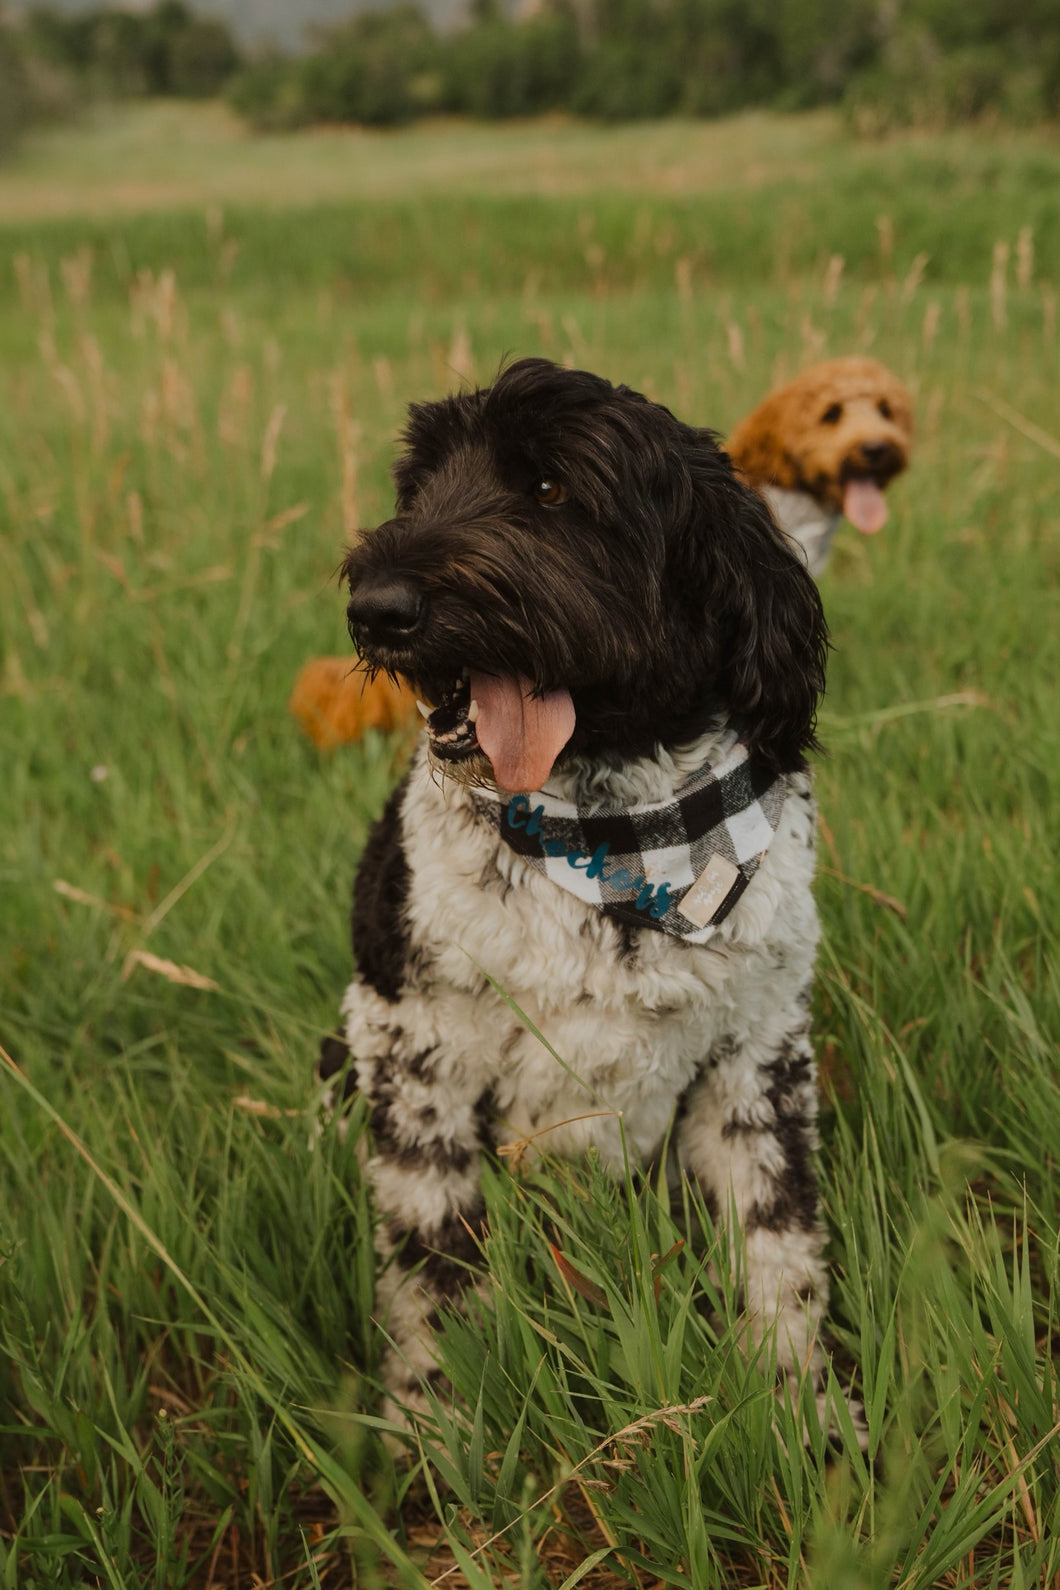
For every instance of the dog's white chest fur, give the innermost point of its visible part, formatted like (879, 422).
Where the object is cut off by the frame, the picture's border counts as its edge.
(806, 523)
(632, 1016)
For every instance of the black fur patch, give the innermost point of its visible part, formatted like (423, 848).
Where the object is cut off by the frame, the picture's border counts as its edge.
(443, 1258)
(380, 896)
(795, 1201)
(334, 1054)
(391, 1125)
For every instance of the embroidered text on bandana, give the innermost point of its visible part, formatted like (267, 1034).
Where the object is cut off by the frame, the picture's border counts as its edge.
(678, 866)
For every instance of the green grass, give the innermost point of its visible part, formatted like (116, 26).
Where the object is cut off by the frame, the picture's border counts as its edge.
(187, 1350)
(457, 210)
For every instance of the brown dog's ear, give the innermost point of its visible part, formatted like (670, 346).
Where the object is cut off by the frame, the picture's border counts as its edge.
(757, 450)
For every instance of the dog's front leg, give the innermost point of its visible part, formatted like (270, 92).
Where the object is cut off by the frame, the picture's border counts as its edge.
(748, 1135)
(425, 1178)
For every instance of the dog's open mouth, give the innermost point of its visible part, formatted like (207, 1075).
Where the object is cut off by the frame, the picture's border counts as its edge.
(864, 504)
(863, 479)
(521, 732)
(451, 726)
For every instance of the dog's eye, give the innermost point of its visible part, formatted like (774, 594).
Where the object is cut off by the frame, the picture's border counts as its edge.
(550, 492)
(885, 409)
(832, 413)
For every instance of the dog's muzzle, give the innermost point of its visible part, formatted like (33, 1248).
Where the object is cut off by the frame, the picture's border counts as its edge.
(879, 460)
(387, 614)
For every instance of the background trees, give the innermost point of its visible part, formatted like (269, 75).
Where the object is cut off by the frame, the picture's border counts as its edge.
(903, 62)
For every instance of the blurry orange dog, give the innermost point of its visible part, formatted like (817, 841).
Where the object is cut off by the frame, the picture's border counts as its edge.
(825, 447)
(822, 447)
(334, 702)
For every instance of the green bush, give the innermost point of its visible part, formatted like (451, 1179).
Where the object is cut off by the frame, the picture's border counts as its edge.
(372, 70)
(167, 50)
(622, 82)
(203, 58)
(267, 93)
(920, 83)
(499, 68)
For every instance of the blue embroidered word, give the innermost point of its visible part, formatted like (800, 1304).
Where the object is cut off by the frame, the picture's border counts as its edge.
(656, 901)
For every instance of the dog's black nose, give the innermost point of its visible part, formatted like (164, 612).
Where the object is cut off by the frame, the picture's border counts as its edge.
(876, 452)
(388, 613)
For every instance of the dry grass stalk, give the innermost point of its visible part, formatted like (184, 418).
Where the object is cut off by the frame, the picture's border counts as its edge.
(76, 272)
(914, 277)
(383, 371)
(269, 1112)
(516, 1152)
(134, 507)
(70, 891)
(814, 340)
(185, 975)
(885, 234)
(348, 434)
(833, 277)
(735, 345)
(932, 316)
(270, 441)
(92, 358)
(878, 895)
(999, 284)
(461, 358)
(233, 410)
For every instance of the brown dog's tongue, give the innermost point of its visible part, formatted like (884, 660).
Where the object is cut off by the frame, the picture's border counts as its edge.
(521, 734)
(864, 506)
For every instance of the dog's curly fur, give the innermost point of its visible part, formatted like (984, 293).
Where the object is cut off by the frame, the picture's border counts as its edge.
(573, 535)
(841, 422)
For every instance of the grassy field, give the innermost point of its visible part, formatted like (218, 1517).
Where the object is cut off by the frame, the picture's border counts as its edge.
(206, 346)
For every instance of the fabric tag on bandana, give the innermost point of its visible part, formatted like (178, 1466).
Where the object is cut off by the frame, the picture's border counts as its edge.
(709, 891)
(676, 866)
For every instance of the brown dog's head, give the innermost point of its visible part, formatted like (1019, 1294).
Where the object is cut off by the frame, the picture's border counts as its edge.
(840, 431)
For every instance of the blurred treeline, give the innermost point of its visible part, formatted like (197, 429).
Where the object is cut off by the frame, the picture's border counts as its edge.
(52, 62)
(886, 62)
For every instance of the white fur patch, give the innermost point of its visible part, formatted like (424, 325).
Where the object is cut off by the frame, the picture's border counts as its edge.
(805, 522)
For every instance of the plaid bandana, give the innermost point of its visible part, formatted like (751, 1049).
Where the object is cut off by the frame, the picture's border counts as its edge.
(678, 865)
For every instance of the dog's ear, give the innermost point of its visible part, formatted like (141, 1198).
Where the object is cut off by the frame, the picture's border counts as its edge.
(772, 635)
(432, 432)
(757, 449)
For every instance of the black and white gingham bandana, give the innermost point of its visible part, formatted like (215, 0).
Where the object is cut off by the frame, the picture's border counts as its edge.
(678, 866)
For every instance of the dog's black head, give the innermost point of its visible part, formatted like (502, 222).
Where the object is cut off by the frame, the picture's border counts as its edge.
(588, 571)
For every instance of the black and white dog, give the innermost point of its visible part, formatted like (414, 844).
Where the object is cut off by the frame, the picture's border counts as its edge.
(610, 815)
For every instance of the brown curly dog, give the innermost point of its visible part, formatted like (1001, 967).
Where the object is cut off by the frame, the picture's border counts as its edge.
(824, 447)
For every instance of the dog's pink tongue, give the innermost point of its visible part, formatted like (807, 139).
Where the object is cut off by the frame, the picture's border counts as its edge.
(865, 506)
(522, 735)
